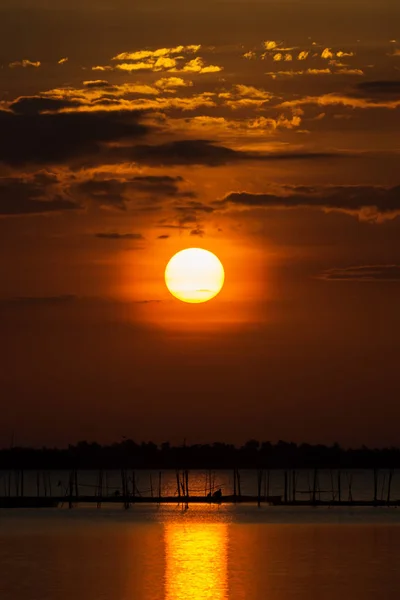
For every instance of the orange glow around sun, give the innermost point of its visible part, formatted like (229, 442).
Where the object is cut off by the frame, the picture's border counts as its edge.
(194, 275)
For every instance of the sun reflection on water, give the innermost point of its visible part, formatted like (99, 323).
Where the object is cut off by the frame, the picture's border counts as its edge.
(196, 561)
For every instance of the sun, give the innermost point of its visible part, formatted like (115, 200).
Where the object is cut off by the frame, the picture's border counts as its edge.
(194, 275)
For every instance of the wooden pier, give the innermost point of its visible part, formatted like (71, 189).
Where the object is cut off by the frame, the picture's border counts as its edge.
(60, 501)
(127, 494)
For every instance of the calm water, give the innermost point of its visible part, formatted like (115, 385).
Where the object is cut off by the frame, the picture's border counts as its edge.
(272, 553)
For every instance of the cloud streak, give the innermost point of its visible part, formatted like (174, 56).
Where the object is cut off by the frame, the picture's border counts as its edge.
(368, 203)
(31, 196)
(363, 273)
(119, 236)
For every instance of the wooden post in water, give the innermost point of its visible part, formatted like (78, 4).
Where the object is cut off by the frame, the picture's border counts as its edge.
(314, 493)
(259, 484)
(187, 488)
(76, 485)
(339, 483)
(100, 489)
(350, 488)
(234, 484)
(286, 487)
(238, 483)
(101, 492)
(376, 485)
(178, 484)
(183, 483)
(16, 481)
(133, 486)
(71, 489)
(125, 490)
(389, 484)
(294, 485)
(383, 485)
(159, 485)
(151, 485)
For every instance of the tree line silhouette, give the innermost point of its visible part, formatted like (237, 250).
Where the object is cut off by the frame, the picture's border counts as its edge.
(148, 455)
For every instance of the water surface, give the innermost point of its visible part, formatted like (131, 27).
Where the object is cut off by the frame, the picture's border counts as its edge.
(226, 553)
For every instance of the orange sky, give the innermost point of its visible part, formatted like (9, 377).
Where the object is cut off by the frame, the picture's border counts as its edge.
(264, 134)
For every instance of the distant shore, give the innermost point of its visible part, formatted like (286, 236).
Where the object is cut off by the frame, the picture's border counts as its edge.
(147, 455)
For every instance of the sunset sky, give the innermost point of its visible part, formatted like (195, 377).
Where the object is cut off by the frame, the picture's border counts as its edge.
(265, 131)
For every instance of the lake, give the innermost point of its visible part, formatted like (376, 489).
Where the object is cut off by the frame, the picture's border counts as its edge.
(206, 552)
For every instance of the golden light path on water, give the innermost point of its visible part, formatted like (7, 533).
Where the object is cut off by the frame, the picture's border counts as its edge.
(196, 561)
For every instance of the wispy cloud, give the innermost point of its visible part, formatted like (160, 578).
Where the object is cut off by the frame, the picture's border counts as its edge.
(292, 73)
(32, 195)
(117, 192)
(25, 63)
(344, 100)
(140, 55)
(368, 203)
(119, 236)
(363, 273)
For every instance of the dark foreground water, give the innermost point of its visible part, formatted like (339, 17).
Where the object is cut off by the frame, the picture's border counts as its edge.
(217, 553)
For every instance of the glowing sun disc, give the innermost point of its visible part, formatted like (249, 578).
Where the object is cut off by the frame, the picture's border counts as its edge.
(194, 275)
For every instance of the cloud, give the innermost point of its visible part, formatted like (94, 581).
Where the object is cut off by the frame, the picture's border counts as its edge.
(198, 232)
(96, 84)
(379, 88)
(170, 84)
(162, 59)
(25, 63)
(117, 98)
(363, 273)
(250, 55)
(347, 71)
(243, 96)
(28, 136)
(158, 53)
(197, 66)
(369, 203)
(142, 66)
(349, 100)
(303, 55)
(292, 73)
(327, 54)
(117, 192)
(119, 236)
(34, 105)
(32, 195)
(249, 91)
(270, 45)
(342, 54)
(102, 68)
(216, 125)
(62, 61)
(163, 237)
(40, 300)
(206, 152)
(318, 72)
